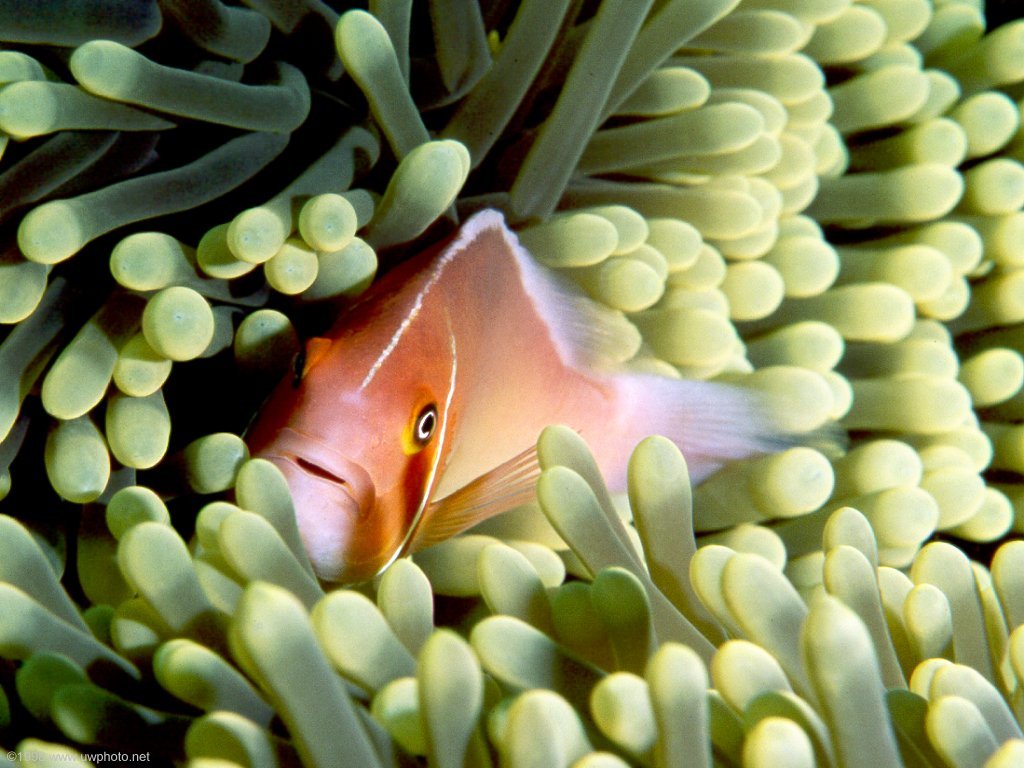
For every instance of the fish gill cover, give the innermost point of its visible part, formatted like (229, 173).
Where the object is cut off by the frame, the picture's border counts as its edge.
(818, 199)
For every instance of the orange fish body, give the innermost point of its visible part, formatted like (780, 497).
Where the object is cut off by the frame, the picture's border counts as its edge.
(416, 416)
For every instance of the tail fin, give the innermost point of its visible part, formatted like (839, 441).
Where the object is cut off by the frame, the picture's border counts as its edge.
(711, 422)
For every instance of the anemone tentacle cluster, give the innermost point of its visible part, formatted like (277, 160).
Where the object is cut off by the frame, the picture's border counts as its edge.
(822, 200)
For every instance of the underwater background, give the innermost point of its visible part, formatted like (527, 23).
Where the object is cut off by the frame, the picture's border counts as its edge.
(817, 199)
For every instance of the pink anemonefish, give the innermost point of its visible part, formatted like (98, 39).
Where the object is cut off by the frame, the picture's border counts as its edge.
(417, 415)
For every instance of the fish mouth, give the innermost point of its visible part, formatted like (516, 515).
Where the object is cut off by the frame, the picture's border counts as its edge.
(328, 514)
(300, 471)
(316, 470)
(334, 497)
(309, 465)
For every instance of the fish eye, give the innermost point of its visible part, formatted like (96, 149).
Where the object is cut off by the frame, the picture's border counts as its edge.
(298, 367)
(426, 423)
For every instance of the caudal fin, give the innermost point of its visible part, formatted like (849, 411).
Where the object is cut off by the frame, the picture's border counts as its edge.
(711, 422)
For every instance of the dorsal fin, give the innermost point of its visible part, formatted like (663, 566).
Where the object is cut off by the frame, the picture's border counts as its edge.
(585, 333)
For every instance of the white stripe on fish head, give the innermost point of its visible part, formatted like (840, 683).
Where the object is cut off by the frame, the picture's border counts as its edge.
(449, 254)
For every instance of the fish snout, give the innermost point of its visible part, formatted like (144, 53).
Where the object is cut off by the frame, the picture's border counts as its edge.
(333, 497)
(313, 467)
(343, 475)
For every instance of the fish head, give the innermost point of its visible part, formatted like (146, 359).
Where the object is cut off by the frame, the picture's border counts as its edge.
(359, 432)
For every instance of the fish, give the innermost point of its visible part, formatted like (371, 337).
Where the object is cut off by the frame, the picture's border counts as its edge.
(416, 415)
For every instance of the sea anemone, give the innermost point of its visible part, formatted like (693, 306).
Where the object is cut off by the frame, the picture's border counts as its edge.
(819, 200)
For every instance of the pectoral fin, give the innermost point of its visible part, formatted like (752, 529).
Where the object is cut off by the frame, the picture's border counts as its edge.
(506, 486)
